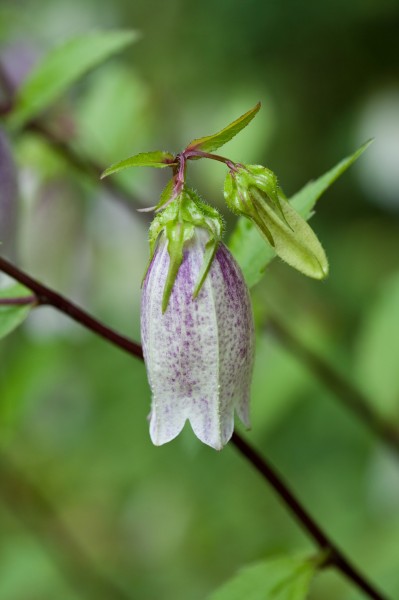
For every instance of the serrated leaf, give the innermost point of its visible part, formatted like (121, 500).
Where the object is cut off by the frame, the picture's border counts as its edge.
(62, 67)
(215, 141)
(283, 578)
(157, 159)
(12, 315)
(247, 245)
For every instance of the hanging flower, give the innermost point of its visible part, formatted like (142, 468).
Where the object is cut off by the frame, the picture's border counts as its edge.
(198, 344)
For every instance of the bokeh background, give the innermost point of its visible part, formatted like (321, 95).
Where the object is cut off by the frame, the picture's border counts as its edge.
(175, 522)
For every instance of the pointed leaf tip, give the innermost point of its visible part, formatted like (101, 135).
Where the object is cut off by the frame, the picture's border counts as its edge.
(62, 67)
(157, 159)
(216, 140)
(305, 199)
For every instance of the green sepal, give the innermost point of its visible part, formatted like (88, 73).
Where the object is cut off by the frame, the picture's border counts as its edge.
(202, 214)
(178, 221)
(239, 201)
(257, 197)
(177, 235)
(216, 140)
(169, 214)
(205, 216)
(157, 159)
(209, 254)
(166, 195)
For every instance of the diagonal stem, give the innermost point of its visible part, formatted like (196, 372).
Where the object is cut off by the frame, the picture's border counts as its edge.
(344, 391)
(45, 295)
(336, 558)
(19, 300)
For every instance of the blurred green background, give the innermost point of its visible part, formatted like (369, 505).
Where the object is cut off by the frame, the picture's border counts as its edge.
(175, 522)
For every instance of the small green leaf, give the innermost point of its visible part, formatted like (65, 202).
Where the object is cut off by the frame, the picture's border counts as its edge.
(248, 246)
(12, 315)
(157, 159)
(283, 578)
(62, 67)
(304, 200)
(215, 141)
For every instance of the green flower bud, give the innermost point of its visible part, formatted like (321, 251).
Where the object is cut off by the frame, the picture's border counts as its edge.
(253, 192)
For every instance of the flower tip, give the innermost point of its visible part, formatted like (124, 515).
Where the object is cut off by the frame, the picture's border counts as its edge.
(325, 270)
(322, 270)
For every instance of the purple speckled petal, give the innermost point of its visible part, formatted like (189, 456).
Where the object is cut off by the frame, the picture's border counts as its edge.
(199, 353)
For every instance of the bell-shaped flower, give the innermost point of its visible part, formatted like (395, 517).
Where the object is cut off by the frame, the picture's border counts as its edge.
(198, 344)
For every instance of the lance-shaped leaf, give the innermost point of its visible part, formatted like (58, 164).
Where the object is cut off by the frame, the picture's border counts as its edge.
(215, 141)
(282, 578)
(12, 315)
(304, 200)
(62, 67)
(247, 244)
(254, 194)
(157, 159)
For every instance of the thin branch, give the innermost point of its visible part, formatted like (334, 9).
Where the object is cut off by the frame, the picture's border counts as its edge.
(334, 556)
(344, 391)
(45, 295)
(37, 513)
(309, 525)
(20, 300)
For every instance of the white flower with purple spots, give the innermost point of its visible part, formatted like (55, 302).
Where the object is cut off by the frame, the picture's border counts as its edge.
(199, 351)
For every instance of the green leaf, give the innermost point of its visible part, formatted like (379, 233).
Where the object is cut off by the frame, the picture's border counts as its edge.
(215, 141)
(157, 159)
(12, 315)
(283, 578)
(62, 67)
(304, 200)
(295, 242)
(247, 245)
